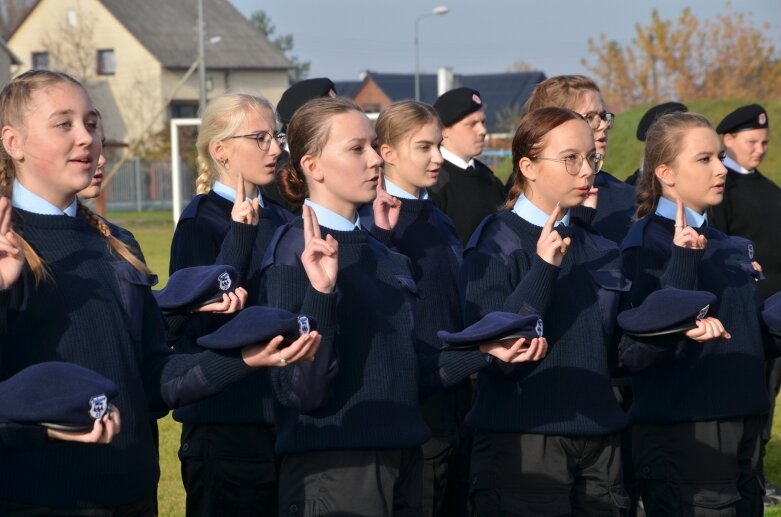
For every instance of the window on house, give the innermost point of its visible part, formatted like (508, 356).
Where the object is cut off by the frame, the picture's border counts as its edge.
(184, 109)
(106, 63)
(40, 60)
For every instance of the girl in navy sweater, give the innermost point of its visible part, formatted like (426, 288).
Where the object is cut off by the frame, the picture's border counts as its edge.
(409, 134)
(349, 423)
(699, 399)
(227, 444)
(72, 291)
(546, 440)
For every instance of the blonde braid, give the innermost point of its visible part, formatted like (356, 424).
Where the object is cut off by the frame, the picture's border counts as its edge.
(119, 247)
(203, 183)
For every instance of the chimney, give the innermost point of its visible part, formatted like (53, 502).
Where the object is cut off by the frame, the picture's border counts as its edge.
(444, 79)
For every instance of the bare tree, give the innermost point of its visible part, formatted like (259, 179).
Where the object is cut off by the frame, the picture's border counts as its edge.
(71, 46)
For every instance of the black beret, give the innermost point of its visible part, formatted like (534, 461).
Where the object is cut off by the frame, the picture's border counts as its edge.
(654, 113)
(666, 311)
(456, 104)
(192, 287)
(257, 325)
(56, 394)
(301, 93)
(494, 326)
(752, 116)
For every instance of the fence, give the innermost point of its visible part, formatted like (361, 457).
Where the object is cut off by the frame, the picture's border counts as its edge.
(146, 184)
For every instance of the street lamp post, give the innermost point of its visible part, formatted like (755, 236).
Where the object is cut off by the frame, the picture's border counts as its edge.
(437, 11)
(201, 58)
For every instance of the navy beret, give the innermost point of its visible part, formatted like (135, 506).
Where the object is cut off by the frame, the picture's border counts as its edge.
(771, 313)
(752, 116)
(56, 394)
(302, 92)
(256, 325)
(494, 326)
(192, 287)
(666, 311)
(654, 113)
(456, 104)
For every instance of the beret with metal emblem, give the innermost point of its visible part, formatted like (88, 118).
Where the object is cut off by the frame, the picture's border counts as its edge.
(494, 326)
(752, 116)
(666, 311)
(56, 394)
(456, 104)
(258, 324)
(193, 287)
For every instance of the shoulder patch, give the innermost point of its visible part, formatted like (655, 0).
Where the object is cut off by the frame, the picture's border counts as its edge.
(634, 238)
(285, 246)
(191, 210)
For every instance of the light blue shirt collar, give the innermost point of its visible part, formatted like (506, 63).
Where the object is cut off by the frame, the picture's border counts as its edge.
(396, 191)
(668, 209)
(527, 211)
(225, 192)
(456, 160)
(735, 166)
(332, 220)
(27, 200)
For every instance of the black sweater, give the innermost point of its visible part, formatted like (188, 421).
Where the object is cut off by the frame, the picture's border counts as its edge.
(427, 237)
(467, 196)
(568, 392)
(751, 209)
(98, 312)
(677, 379)
(206, 235)
(362, 390)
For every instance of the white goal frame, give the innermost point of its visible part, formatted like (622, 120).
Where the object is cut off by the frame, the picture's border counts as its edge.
(176, 180)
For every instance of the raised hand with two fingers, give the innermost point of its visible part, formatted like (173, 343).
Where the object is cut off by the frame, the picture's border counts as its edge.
(685, 236)
(244, 211)
(551, 247)
(11, 255)
(320, 257)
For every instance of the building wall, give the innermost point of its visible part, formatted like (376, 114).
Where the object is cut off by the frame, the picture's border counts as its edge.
(129, 98)
(268, 84)
(371, 98)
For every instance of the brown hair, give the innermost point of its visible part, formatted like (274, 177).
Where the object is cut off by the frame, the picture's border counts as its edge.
(529, 140)
(563, 91)
(307, 134)
(220, 120)
(400, 118)
(663, 144)
(14, 101)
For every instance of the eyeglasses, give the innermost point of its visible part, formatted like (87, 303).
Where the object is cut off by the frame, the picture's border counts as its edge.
(263, 139)
(595, 119)
(573, 163)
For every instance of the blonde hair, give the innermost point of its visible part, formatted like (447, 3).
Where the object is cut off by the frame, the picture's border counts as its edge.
(400, 118)
(14, 101)
(561, 91)
(307, 134)
(220, 120)
(663, 144)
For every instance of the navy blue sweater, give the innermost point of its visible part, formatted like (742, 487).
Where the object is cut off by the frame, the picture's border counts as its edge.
(568, 392)
(98, 312)
(206, 235)
(615, 207)
(362, 390)
(427, 237)
(677, 379)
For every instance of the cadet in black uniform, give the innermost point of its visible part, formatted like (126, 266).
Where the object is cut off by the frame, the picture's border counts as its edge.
(751, 209)
(467, 189)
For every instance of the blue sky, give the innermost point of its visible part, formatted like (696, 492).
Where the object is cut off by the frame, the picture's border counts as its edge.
(343, 37)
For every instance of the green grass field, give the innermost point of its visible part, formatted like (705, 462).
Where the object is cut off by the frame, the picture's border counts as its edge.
(625, 152)
(153, 231)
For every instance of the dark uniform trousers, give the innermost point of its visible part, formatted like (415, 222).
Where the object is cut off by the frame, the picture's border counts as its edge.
(145, 507)
(367, 483)
(544, 475)
(229, 470)
(707, 468)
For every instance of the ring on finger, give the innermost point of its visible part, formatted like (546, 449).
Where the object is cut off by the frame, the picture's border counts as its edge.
(282, 360)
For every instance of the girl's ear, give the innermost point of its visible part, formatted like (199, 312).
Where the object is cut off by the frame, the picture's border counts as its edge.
(388, 154)
(218, 150)
(665, 175)
(12, 142)
(310, 167)
(528, 168)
